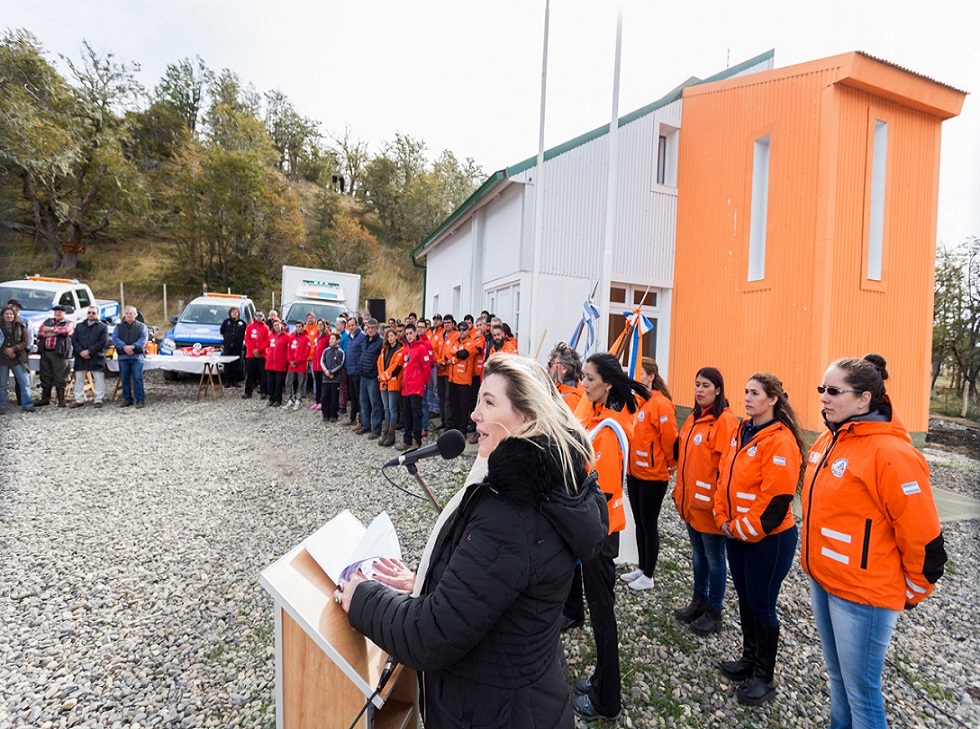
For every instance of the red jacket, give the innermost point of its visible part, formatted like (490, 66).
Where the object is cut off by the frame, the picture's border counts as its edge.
(701, 444)
(870, 532)
(654, 435)
(256, 340)
(418, 361)
(299, 351)
(322, 342)
(278, 358)
(758, 482)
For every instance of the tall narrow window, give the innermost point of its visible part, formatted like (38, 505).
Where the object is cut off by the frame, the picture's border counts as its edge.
(876, 225)
(665, 164)
(760, 208)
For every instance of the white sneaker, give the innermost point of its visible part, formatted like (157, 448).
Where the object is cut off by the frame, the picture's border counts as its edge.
(298, 403)
(642, 583)
(288, 405)
(631, 576)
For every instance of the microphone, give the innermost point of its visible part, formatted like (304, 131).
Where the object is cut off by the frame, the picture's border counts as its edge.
(450, 444)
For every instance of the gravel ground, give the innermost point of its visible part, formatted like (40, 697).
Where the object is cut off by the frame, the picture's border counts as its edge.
(131, 543)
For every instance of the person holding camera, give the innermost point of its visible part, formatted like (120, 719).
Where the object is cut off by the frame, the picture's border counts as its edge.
(129, 337)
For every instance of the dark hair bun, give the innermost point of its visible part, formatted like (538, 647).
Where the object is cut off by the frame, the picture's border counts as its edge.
(879, 364)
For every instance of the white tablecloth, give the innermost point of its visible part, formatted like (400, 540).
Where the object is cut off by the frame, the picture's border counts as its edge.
(174, 363)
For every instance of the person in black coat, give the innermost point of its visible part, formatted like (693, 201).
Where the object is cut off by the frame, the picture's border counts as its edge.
(481, 622)
(233, 344)
(90, 340)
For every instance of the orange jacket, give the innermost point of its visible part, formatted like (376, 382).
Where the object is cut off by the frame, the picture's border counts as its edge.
(571, 395)
(312, 332)
(440, 342)
(701, 444)
(461, 370)
(509, 346)
(481, 354)
(870, 532)
(609, 455)
(390, 376)
(654, 435)
(757, 484)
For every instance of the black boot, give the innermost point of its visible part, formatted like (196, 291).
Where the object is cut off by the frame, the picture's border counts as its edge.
(60, 392)
(742, 668)
(761, 688)
(707, 623)
(45, 397)
(692, 612)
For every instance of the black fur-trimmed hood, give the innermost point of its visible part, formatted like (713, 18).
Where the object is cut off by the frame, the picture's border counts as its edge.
(528, 473)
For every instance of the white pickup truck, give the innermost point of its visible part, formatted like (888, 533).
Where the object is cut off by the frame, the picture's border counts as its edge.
(37, 294)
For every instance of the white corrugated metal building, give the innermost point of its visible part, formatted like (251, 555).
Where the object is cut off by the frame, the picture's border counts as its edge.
(481, 256)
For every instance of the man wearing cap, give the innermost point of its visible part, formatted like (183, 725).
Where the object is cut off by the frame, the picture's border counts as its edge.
(54, 344)
(129, 338)
(89, 342)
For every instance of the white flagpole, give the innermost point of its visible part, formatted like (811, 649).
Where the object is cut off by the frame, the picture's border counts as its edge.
(532, 304)
(605, 278)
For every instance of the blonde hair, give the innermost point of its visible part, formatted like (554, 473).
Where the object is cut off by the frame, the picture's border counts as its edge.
(533, 394)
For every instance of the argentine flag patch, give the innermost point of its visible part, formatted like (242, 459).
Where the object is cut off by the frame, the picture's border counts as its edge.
(910, 488)
(779, 460)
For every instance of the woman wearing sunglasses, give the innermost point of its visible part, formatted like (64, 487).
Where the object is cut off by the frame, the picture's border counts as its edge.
(872, 544)
(760, 472)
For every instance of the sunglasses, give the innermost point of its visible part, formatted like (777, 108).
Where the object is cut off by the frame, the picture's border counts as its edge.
(831, 390)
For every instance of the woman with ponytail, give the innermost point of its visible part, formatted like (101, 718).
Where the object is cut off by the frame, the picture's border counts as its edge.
(651, 462)
(871, 539)
(606, 412)
(760, 474)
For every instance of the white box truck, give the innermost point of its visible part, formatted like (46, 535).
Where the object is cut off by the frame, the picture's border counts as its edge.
(327, 294)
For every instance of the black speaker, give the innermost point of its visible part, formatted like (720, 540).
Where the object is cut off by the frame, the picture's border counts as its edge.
(376, 310)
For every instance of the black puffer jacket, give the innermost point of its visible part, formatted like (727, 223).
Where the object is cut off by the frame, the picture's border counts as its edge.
(484, 633)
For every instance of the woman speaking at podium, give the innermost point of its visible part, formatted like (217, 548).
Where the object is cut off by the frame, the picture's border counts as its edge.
(481, 622)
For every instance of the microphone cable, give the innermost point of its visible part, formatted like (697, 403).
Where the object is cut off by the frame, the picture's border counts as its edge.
(384, 472)
(386, 672)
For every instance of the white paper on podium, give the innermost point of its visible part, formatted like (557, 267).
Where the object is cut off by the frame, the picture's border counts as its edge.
(343, 542)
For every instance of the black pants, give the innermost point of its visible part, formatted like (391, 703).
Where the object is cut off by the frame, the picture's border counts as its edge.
(646, 498)
(254, 374)
(442, 384)
(353, 395)
(599, 576)
(232, 373)
(471, 404)
(412, 419)
(456, 399)
(274, 384)
(318, 386)
(330, 404)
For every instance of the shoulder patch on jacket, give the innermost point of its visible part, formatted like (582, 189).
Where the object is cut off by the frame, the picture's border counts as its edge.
(779, 460)
(910, 488)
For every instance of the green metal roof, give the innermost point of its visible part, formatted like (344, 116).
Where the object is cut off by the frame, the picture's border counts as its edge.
(578, 141)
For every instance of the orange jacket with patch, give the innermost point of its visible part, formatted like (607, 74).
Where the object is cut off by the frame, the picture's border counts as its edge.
(701, 443)
(757, 483)
(571, 395)
(440, 341)
(461, 369)
(654, 435)
(608, 455)
(390, 375)
(870, 532)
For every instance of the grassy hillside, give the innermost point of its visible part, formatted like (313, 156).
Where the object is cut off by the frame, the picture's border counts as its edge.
(142, 265)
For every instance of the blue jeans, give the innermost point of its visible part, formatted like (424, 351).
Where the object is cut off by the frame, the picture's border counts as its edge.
(132, 368)
(758, 570)
(855, 639)
(710, 569)
(21, 381)
(389, 402)
(370, 400)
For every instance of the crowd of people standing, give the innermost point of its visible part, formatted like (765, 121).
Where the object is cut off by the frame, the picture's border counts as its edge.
(869, 539)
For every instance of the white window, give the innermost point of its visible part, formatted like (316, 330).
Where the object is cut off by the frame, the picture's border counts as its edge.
(457, 296)
(665, 168)
(760, 209)
(876, 226)
(626, 297)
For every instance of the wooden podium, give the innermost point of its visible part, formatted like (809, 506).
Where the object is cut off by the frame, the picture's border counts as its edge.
(326, 670)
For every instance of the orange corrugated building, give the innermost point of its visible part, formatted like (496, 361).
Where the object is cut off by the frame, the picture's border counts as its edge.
(806, 227)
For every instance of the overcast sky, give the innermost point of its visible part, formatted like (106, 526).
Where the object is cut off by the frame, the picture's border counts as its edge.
(466, 75)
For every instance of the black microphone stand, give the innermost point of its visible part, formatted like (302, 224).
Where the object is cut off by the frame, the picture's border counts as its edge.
(414, 470)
